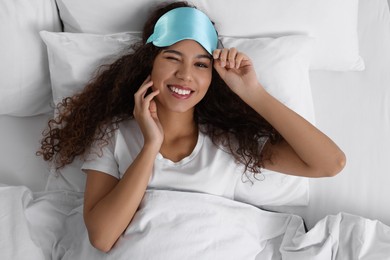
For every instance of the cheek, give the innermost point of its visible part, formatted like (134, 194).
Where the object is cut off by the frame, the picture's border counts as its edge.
(157, 75)
(154, 74)
(161, 70)
(205, 80)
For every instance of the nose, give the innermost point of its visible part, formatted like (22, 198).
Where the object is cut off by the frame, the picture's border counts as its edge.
(184, 72)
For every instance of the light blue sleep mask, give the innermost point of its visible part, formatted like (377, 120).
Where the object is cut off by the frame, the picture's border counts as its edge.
(184, 23)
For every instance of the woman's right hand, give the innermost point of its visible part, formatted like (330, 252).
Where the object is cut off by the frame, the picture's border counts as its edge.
(145, 113)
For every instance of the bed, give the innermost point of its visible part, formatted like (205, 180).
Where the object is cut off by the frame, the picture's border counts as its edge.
(332, 66)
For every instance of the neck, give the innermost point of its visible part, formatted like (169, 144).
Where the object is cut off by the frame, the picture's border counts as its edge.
(180, 134)
(177, 125)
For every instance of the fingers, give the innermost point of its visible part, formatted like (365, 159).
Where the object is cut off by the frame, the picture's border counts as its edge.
(145, 113)
(150, 97)
(142, 99)
(142, 91)
(229, 58)
(144, 87)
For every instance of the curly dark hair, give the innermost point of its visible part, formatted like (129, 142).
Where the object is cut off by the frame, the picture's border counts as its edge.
(108, 99)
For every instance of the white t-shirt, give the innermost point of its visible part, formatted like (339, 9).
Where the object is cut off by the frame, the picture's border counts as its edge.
(208, 169)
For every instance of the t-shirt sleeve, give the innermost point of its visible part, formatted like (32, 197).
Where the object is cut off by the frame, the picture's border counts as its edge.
(102, 158)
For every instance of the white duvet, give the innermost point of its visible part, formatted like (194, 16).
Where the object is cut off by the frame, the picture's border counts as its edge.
(182, 225)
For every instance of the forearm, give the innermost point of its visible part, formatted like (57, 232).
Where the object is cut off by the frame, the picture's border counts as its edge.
(305, 151)
(314, 148)
(108, 219)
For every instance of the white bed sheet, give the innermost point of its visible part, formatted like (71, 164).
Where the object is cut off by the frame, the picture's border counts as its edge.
(200, 226)
(351, 107)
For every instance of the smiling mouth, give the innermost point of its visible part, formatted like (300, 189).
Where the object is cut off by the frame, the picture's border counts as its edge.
(180, 92)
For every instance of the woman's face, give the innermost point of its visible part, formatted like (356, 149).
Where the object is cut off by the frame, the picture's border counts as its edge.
(182, 72)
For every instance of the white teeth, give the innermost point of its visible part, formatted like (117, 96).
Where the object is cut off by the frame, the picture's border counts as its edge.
(180, 91)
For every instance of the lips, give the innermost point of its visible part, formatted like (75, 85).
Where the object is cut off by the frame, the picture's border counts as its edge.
(180, 91)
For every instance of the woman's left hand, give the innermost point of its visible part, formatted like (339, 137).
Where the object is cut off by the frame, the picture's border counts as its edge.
(237, 70)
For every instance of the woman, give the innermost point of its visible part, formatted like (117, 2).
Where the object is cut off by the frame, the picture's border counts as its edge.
(178, 113)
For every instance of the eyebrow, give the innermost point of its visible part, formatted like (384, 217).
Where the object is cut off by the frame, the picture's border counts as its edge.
(199, 56)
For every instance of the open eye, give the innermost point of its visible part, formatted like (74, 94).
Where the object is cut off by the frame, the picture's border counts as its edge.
(201, 65)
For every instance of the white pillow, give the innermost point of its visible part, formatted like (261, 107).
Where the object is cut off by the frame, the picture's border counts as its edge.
(24, 84)
(332, 22)
(73, 60)
(282, 66)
